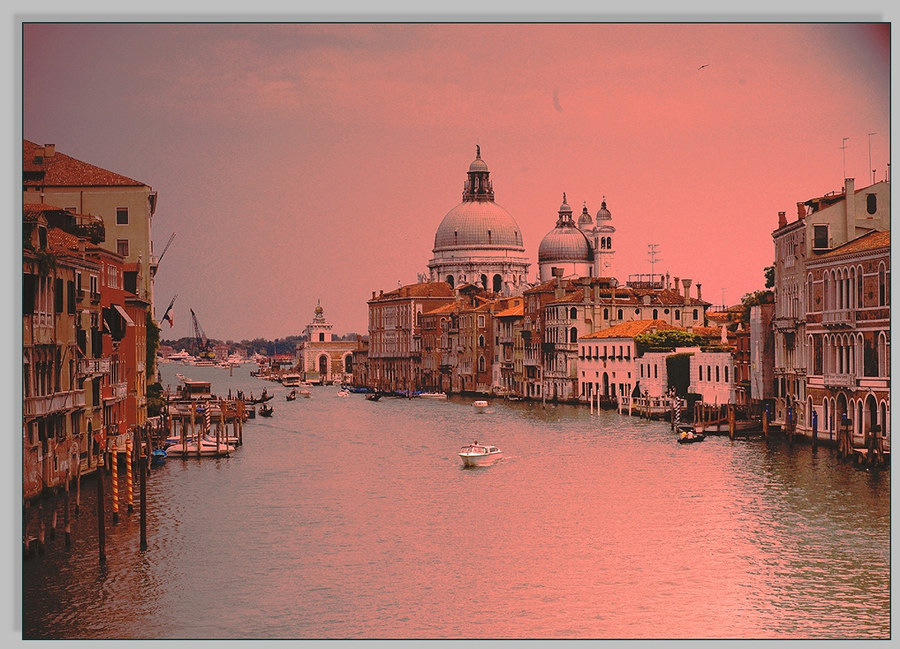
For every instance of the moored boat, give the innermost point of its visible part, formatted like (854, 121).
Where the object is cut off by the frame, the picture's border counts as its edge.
(206, 449)
(476, 454)
(432, 395)
(688, 434)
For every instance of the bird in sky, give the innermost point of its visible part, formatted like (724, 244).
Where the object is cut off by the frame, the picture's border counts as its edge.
(703, 66)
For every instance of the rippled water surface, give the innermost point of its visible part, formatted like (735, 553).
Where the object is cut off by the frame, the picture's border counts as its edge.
(344, 518)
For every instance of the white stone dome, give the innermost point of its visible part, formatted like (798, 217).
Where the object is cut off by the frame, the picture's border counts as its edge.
(478, 224)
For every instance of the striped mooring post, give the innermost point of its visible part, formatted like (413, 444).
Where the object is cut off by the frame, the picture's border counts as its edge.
(129, 485)
(114, 466)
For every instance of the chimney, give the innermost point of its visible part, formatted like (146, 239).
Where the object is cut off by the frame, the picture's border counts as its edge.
(801, 210)
(557, 276)
(782, 219)
(699, 295)
(676, 287)
(373, 295)
(49, 150)
(850, 208)
(687, 288)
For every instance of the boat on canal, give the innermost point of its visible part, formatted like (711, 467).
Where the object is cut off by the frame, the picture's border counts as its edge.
(432, 395)
(266, 411)
(480, 406)
(476, 454)
(207, 448)
(290, 396)
(687, 434)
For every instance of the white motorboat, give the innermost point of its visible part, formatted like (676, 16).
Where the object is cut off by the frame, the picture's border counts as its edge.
(476, 454)
(432, 395)
(480, 406)
(343, 393)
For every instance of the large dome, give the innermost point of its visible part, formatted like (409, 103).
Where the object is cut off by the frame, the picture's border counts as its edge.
(477, 224)
(565, 244)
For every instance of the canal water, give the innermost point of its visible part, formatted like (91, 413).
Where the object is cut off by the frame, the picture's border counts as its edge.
(345, 518)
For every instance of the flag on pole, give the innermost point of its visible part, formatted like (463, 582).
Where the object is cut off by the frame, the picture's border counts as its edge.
(168, 314)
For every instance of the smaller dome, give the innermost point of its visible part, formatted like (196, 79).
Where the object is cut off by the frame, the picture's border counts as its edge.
(585, 218)
(603, 213)
(564, 208)
(478, 164)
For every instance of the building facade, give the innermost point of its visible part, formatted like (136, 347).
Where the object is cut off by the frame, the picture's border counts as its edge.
(321, 358)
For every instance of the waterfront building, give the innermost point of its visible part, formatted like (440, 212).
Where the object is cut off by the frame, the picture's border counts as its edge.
(608, 363)
(478, 241)
(394, 323)
(126, 206)
(321, 358)
(436, 371)
(84, 381)
(712, 373)
(823, 224)
(848, 335)
(509, 352)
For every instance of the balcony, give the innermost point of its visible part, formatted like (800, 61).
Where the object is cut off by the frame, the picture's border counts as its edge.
(53, 403)
(839, 380)
(115, 391)
(839, 318)
(93, 366)
(783, 323)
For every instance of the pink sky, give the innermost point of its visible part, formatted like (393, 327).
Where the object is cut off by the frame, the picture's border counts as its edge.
(299, 163)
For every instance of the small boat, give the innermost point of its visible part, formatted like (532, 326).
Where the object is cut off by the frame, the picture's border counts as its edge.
(158, 456)
(375, 396)
(432, 395)
(343, 393)
(305, 393)
(476, 454)
(480, 406)
(266, 411)
(263, 398)
(291, 395)
(688, 435)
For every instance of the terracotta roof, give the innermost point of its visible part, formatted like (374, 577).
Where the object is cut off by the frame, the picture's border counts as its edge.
(426, 289)
(60, 170)
(512, 311)
(633, 328)
(60, 241)
(444, 308)
(869, 241)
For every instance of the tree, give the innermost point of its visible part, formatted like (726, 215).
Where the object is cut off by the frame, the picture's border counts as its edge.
(769, 272)
(666, 340)
(763, 296)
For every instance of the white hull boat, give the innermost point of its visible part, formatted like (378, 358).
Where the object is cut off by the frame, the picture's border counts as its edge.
(207, 449)
(479, 454)
(433, 395)
(480, 406)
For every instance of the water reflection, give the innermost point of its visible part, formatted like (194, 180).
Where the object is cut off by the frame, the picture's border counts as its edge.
(344, 518)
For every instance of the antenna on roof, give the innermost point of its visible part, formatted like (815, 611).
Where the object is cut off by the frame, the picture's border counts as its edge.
(844, 157)
(652, 253)
(870, 155)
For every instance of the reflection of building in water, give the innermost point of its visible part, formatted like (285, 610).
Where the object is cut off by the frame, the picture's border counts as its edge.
(321, 358)
(478, 242)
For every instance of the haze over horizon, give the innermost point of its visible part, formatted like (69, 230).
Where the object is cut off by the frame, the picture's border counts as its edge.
(300, 163)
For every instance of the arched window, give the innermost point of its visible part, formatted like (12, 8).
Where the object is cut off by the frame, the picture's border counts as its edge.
(708, 373)
(678, 314)
(700, 373)
(606, 314)
(573, 313)
(809, 293)
(602, 243)
(450, 280)
(726, 374)
(484, 282)
(481, 363)
(871, 203)
(481, 341)
(655, 314)
(882, 285)
(573, 335)
(859, 287)
(608, 243)
(620, 314)
(717, 373)
(498, 283)
(696, 314)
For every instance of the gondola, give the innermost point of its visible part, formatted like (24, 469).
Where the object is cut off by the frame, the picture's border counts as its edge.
(290, 396)
(266, 411)
(375, 396)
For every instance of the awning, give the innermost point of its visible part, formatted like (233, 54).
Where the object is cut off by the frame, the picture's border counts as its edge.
(128, 321)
